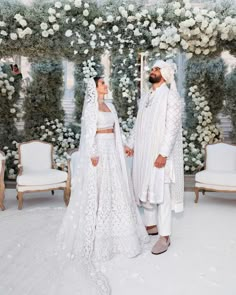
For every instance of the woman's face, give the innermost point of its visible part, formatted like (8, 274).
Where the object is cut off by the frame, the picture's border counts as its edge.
(102, 88)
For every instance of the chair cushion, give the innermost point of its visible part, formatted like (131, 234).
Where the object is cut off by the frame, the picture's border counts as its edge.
(217, 178)
(215, 187)
(42, 177)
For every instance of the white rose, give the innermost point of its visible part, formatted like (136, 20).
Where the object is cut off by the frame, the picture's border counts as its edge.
(58, 4)
(51, 32)
(78, 3)
(13, 36)
(110, 18)
(86, 12)
(68, 33)
(86, 5)
(177, 12)
(130, 26)
(67, 7)
(58, 15)
(28, 31)
(23, 23)
(4, 33)
(131, 7)
(206, 51)
(45, 34)
(52, 19)
(115, 29)
(160, 11)
(198, 51)
(12, 110)
(11, 79)
(56, 27)
(85, 23)
(92, 28)
(2, 24)
(51, 11)
(212, 14)
(155, 42)
(44, 26)
(86, 51)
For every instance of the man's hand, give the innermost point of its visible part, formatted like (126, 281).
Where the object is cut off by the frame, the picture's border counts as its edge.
(160, 161)
(128, 151)
(94, 161)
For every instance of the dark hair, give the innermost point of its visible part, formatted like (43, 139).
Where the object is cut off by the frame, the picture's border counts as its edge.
(96, 79)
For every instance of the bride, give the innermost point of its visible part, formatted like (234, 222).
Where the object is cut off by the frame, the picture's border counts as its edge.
(102, 218)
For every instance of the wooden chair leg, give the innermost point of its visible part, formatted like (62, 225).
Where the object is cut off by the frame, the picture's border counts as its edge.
(203, 192)
(2, 207)
(66, 196)
(20, 200)
(52, 193)
(196, 189)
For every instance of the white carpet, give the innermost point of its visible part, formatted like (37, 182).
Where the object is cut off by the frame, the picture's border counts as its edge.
(200, 260)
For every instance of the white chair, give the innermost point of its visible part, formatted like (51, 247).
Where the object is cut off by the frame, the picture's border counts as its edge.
(72, 165)
(2, 185)
(37, 171)
(219, 174)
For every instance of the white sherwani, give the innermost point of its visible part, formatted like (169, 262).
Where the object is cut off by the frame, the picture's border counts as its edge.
(157, 131)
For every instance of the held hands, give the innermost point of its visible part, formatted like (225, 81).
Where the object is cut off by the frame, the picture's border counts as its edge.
(94, 161)
(160, 161)
(128, 151)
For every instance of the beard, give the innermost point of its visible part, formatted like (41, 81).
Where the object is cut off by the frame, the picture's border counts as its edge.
(154, 79)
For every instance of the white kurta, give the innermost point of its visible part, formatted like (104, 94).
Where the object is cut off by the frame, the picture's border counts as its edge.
(157, 131)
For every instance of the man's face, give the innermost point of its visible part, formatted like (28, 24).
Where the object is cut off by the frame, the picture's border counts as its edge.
(155, 75)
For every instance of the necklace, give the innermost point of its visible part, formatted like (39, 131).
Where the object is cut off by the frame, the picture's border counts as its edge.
(150, 99)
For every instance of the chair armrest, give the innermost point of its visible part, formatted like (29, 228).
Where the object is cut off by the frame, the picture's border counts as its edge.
(199, 168)
(20, 169)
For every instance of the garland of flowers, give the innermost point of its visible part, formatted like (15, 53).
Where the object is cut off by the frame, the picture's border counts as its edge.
(206, 132)
(125, 86)
(43, 96)
(230, 102)
(9, 111)
(77, 29)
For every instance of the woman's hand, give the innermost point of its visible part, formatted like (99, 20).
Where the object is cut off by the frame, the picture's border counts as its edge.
(94, 161)
(128, 151)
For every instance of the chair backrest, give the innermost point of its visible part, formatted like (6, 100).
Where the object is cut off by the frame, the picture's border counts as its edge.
(36, 155)
(221, 157)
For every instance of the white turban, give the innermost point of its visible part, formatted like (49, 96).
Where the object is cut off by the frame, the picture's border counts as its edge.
(167, 70)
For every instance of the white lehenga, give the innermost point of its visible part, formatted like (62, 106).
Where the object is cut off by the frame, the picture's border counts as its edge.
(101, 220)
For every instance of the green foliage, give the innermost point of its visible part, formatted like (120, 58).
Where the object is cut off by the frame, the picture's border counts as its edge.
(230, 101)
(43, 98)
(209, 76)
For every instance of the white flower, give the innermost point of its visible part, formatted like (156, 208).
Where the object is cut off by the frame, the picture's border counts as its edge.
(160, 11)
(92, 28)
(2, 24)
(12, 110)
(28, 31)
(131, 7)
(115, 29)
(110, 18)
(44, 26)
(86, 12)
(56, 27)
(67, 7)
(18, 17)
(23, 22)
(45, 34)
(58, 4)
(78, 3)
(52, 18)
(51, 32)
(85, 23)
(11, 79)
(68, 33)
(86, 5)
(130, 26)
(177, 12)
(13, 36)
(51, 11)
(4, 33)
(86, 51)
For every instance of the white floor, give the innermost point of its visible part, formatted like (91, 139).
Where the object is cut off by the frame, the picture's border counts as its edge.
(200, 260)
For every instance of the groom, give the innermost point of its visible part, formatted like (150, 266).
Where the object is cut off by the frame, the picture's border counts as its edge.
(156, 143)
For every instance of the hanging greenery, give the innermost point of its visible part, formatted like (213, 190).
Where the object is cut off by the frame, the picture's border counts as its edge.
(43, 98)
(230, 101)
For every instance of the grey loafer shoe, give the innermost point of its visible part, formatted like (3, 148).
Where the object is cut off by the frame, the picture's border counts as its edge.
(161, 246)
